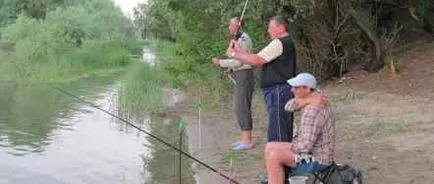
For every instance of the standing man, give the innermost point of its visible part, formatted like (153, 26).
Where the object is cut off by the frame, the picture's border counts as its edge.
(278, 61)
(244, 84)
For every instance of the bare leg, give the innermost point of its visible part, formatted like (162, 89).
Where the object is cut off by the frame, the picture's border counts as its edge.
(247, 137)
(278, 154)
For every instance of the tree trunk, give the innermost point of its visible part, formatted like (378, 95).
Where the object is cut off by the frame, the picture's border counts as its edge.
(377, 44)
(378, 55)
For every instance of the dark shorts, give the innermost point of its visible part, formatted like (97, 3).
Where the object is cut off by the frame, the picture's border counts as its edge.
(311, 167)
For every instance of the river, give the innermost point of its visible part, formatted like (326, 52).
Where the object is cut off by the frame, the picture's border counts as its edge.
(48, 137)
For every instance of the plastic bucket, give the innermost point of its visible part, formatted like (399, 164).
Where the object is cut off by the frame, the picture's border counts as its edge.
(297, 179)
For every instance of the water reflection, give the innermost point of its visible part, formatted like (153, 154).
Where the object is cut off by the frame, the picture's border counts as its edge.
(30, 112)
(48, 137)
(162, 162)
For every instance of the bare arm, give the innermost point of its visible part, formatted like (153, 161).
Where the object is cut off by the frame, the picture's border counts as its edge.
(268, 54)
(249, 58)
(244, 44)
(319, 101)
(230, 63)
(291, 105)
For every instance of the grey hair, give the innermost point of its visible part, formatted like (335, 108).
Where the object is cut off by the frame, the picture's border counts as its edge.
(233, 19)
(280, 20)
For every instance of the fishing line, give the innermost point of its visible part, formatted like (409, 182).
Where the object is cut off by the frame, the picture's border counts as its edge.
(148, 133)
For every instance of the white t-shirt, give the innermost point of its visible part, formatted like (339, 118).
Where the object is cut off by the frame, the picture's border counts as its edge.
(273, 50)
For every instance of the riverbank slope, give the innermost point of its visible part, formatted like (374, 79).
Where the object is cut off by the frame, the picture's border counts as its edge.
(385, 126)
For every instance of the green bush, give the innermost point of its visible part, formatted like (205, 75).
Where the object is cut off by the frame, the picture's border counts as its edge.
(22, 28)
(71, 41)
(101, 54)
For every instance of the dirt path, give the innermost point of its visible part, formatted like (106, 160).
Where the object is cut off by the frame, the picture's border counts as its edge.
(385, 127)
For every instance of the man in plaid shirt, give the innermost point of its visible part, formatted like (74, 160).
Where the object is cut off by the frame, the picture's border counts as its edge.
(316, 137)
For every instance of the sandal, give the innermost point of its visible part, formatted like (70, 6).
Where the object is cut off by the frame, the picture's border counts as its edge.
(236, 143)
(243, 147)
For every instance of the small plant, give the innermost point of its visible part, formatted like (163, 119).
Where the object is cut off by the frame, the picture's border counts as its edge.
(393, 68)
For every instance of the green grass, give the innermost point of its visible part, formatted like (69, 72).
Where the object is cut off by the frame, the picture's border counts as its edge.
(342, 98)
(5, 62)
(347, 96)
(237, 156)
(94, 58)
(203, 82)
(142, 87)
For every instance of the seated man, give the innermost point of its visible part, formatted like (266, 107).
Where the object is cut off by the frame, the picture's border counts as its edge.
(316, 134)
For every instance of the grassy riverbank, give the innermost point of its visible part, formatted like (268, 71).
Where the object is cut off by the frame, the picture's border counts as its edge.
(142, 87)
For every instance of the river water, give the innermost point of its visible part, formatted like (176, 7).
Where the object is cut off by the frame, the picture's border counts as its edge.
(48, 137)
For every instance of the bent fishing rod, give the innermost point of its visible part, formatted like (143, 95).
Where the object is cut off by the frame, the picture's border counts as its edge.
(148, 133)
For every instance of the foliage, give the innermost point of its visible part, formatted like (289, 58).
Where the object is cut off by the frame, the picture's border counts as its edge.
(331, 36)
(71, 39)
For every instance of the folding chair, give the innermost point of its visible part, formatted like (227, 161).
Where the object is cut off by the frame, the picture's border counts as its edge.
(321, 176)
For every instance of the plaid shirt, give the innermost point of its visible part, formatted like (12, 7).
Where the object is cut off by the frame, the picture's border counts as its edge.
(316, 132)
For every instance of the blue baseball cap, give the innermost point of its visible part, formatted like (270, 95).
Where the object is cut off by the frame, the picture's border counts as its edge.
(303, 79)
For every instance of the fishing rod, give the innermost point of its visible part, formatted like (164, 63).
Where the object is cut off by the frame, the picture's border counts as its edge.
(231, 180)
(239, 32)
(237, 35)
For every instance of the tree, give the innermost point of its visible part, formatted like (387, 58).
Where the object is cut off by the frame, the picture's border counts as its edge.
(139, 15)
(331, 35)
